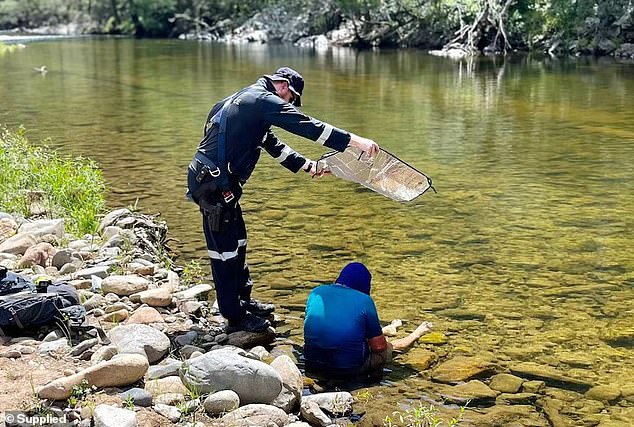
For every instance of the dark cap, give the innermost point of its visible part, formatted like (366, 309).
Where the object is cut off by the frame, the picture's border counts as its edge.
(295, 82)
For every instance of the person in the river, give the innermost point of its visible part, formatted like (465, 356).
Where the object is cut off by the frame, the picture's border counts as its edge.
(342, 332)
(236, 130)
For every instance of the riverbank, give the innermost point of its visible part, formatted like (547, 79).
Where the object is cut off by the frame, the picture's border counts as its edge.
(452, 28)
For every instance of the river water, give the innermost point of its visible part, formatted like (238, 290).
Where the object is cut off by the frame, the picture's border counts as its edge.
(525, 252)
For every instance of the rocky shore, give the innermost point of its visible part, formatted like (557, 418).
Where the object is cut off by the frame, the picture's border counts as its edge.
(165, 357)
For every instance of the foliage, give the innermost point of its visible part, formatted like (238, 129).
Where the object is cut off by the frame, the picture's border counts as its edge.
(577, 25)
(193, 273)
(70, 188)
(421, 416)
(80, 392)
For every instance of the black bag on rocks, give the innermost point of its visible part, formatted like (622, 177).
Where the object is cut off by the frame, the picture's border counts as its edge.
(11, 283)
(22, 307)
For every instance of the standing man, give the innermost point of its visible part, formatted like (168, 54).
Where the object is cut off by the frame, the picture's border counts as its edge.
(236, 130)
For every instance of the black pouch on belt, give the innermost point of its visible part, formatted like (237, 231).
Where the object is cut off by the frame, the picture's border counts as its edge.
(213, 212)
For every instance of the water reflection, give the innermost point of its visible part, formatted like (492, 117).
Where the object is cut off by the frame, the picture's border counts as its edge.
(525, 252)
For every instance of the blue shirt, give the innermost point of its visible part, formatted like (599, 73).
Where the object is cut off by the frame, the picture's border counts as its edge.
(339, 321)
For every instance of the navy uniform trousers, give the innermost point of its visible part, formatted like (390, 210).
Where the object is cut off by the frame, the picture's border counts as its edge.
(227, 249)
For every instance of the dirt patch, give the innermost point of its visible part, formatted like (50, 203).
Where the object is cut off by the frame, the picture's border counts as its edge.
(20, 378)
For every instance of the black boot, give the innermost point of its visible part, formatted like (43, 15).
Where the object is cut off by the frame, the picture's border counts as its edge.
(257, 307)
(248, 323)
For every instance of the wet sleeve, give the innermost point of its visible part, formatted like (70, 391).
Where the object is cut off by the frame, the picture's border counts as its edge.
(277, 112)
(372, 324)
(281, 152)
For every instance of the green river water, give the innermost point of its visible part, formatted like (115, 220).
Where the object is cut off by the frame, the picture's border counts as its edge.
(525, 253)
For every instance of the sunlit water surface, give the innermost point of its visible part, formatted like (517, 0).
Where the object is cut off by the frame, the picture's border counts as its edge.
(525, 253)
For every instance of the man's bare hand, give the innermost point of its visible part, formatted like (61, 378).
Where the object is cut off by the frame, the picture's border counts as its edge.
(364, 144)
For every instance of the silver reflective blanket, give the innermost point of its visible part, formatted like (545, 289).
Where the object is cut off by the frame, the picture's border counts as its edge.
(383, 173)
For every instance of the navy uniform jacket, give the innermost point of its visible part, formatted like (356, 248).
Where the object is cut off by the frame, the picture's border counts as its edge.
(250, 117)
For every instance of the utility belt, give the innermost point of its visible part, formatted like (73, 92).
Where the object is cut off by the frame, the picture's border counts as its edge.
(211, 191)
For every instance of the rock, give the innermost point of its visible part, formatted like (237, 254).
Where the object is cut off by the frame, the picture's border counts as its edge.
(292, 383)
(8, 228)
(60, 345)
(121, 370)
(159, 297)
(94, 301)
(191, 308)
(100, 271)
(124, 285)
(473, 391)
(104, 353)
(421, 359)
(61, 258)
(169, 398)
(112, 218)
(42, 227)
(550, 376)
(116, 316)
(195, 292)
(506, 383)
(40, 254)
(172, 413)
(516, 399)
(138, 396)
(256, 415)
(53, 336)
(18, 244)
(187, 351)
(260, 352)
(460, 369)
(83, 346)
(338, 402)
(109, 416)
(221, 402)
(533, 386)
(245, 339)
(312, 413)
(434, 338)
(11, 354)
(164, 370)
(604, 393)
(222, 369)
(186, 339)
(140, 339)
(166, 385)
(145, 315)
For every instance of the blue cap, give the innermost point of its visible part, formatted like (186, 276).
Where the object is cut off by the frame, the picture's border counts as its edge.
(293, 78)
(356, 276)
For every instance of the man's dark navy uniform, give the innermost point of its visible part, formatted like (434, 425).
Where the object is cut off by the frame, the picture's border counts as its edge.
(235, 132)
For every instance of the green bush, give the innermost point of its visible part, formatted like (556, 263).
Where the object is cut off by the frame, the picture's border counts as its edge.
(63, 187)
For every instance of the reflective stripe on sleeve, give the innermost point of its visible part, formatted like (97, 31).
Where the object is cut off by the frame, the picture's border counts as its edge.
(287, 151)
(325, 134)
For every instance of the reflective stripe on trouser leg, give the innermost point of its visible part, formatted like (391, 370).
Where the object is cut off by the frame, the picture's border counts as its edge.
(227, 251)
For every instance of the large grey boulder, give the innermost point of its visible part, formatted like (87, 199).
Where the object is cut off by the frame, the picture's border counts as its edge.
(256, 415)
(292, 383)
(110, 416)
(140, 339)
(223, 369)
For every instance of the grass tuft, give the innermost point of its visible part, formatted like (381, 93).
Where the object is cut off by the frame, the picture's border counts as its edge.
(39, 180)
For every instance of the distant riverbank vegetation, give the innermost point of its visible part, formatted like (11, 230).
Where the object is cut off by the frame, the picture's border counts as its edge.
(554, 26)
